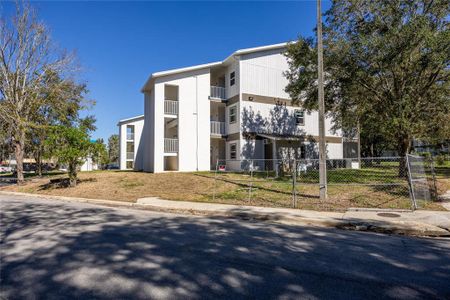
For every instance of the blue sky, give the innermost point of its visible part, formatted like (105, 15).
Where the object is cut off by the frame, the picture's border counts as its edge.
(119, 44)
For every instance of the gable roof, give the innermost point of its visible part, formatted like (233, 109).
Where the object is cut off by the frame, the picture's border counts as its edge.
(152, 77)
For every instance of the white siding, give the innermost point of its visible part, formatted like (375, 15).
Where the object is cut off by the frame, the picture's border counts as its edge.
(193, 124)
(254, 114)
(232, 127)
(138, 144)
(262, 74)
(234, 89)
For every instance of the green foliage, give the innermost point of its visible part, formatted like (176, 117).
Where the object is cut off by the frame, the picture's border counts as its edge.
(99, 153)
(426, 155)
(58, 103)
(386, 66)
(440, 160)
(113, 148)
(71, 146)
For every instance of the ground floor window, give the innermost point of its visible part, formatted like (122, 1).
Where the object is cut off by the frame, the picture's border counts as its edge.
(233, 151)
(130, 164)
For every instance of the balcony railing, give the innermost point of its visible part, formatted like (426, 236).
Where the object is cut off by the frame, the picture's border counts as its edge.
(217, 128)
(170, 107)
(218, 92)
(130, 155)
(130, 136)
(170, 145)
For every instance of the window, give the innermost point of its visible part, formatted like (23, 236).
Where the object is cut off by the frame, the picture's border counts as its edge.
(299, 117)
(130, 132)
(232, 78)
(233, 151)
(232, 115)
(130, 164)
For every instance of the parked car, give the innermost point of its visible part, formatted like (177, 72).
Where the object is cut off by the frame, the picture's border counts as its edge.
(111, 167)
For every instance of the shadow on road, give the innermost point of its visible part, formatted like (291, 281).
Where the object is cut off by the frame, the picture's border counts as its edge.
(73, 251)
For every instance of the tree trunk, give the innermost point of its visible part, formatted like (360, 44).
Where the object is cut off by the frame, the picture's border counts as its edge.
(403, 146)
(19, 145)
(73, 174)
(38, 159)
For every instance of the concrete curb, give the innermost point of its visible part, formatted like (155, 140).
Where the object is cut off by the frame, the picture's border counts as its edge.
(286, 216)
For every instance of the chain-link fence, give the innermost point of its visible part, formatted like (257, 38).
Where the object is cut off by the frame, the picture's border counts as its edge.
(429, 177)
(380, 182)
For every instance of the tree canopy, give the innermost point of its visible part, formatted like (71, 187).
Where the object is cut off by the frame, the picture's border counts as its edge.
(386, 66)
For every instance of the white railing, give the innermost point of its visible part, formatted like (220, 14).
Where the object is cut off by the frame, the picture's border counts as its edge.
(170, 145)
(170, 107)
(130, 136)
(218, 92)
(130, 155)
(217, 127)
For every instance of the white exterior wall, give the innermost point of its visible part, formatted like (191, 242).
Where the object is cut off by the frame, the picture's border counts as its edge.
(138, 144)
(264, 112)
(335, 151)
(236, 126)
(261, 73)
(232, 90)
(258, 73)
(88, 165)
(193, 120)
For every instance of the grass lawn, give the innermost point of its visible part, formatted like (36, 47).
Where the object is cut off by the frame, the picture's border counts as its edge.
(234, 188)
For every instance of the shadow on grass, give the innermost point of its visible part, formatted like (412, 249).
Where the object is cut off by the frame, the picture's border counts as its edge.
(52, 251)
(62, 183)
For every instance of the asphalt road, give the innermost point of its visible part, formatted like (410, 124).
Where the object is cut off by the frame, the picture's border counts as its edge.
(54, 250)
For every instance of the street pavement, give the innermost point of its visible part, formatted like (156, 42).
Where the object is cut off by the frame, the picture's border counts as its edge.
(58, 250)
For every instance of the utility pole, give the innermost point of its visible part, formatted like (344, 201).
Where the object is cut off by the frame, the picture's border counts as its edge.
(322, 145)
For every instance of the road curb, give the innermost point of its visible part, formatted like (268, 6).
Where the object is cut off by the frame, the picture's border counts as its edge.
(388, 227)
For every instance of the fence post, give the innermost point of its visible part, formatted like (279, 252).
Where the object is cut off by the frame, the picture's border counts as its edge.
(215, 180)
(294, 185)
(433, 174)
(410, 184)
(251, 183)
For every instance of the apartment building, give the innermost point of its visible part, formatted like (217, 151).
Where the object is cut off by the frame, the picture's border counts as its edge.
(233, 109)
(130, 143)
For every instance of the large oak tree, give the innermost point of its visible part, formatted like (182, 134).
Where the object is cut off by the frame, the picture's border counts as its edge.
(387, 68)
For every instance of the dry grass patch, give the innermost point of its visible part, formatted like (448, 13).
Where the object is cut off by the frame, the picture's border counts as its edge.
(229, 189)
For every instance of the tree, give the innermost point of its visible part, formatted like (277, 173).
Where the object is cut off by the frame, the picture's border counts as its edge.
(99, 153)
(5, 143)
(71, 146)
(60, 102)
(113, 148)
(387, 62)
(26, 57)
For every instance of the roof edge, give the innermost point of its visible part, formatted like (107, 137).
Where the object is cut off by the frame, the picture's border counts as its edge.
(213, 64)
(128, 120)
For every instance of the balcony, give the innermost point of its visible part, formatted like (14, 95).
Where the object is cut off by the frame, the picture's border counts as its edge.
(170, 107)
(217, 128)
(130, 136)
(130, 155)
(218, 92)
(170, 145)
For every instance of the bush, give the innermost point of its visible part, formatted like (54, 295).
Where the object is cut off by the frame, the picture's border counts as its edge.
(440, 160)
(426, 155)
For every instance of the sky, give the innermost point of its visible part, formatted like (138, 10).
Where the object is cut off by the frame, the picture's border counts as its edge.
(119, 44)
